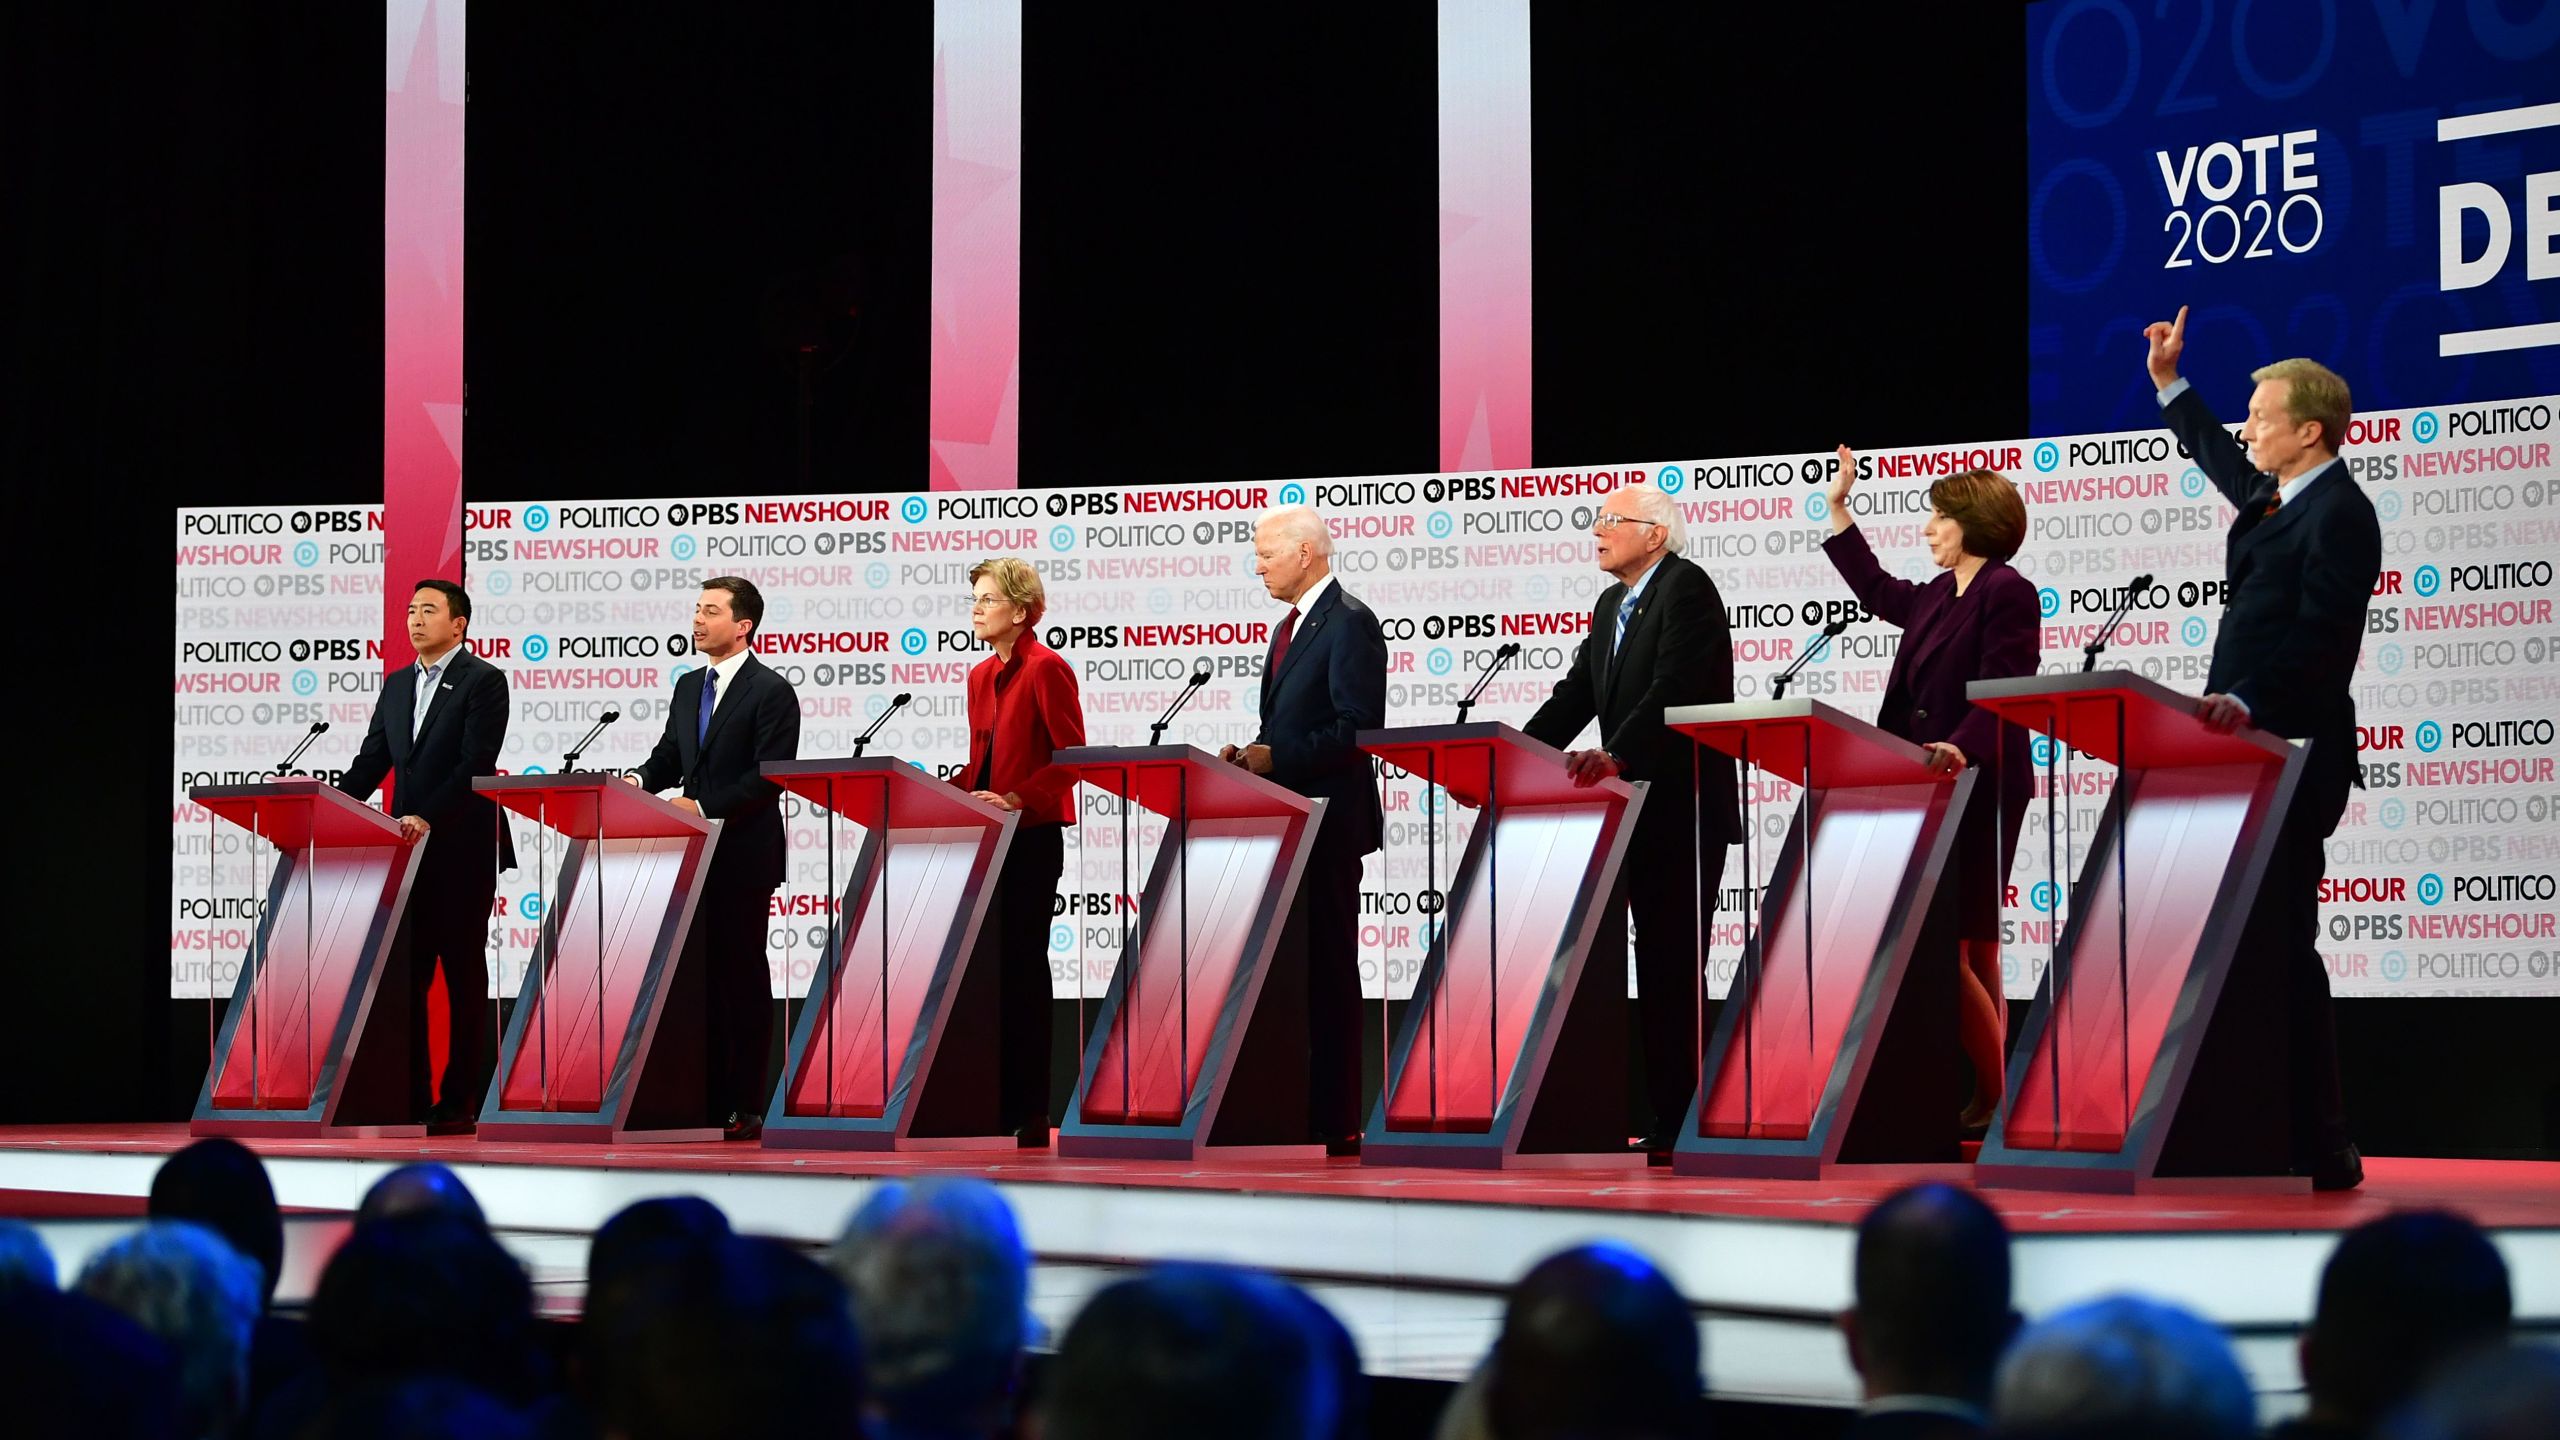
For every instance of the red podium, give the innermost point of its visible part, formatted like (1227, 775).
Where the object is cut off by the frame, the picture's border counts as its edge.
(1512, 1053)
(1821, 1046)
(1182, 1062)
(292, 1057)
(895, 1049)
(2098, 1079)
(580, 1060)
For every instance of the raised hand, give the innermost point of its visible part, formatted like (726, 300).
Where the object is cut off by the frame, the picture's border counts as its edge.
(1841, 484)
(2168, 341)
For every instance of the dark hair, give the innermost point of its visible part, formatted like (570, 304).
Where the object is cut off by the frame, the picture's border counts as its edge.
(1933, 1290)
(1986, 509)
(2400, 1295)
(426, 1294)
(1595, 1341)
(421, 1188)
(220, 1185)
(1187, 1350)
(456, 599)
(745, 1337)
(745, 600)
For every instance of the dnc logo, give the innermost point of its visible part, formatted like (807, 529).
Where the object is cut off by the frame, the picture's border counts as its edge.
(1439, 524)
(536, 648)
(1817, 506)
(913, 641)
(2049, 600)
(1062, 537)
(2425, 427)
(1293, 493)
(2430, 736)
(2048, 455)
(306, 554)
(683, 546)
(2427, 581)
(537, 517)
(1669, 479)
(913, 509)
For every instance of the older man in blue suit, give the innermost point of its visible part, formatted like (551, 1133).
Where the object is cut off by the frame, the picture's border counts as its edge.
(1323, 682)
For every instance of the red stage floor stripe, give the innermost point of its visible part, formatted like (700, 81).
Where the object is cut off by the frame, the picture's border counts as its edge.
(2500, 1194)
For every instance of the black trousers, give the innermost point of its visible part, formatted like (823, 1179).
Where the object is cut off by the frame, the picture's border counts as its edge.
(1663, 885)
(1329, 905)
(1019, 914)
(737, 989)
(448, 924)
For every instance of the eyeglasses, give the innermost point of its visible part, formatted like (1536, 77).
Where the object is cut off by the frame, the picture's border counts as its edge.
(1610, 521)
(986, 602)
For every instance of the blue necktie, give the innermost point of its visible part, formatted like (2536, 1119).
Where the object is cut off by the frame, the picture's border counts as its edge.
(1625, 605)
(710, 697)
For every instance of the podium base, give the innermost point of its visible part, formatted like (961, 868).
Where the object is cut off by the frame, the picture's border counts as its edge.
(778, 1136)
(246, 1128)
(1173, 1147)
(1738, 1166)
(594, 1133)
(2125, 1182)
(1376, 1151)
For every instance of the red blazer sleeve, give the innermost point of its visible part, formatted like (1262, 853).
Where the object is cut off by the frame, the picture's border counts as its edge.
(982, 723)
(1059, 712)
(2012, 622)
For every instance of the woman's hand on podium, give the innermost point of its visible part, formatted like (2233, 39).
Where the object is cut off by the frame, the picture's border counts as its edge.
(1943, 758)
(1006, 801)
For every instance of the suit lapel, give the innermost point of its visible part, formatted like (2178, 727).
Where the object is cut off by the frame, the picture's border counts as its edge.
(448, 688)
(1308, 625)
(1933, 627)
(1604, 634)
(2286, 515)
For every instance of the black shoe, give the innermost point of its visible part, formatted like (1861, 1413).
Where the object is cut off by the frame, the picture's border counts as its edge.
(1033, 1135)
(2340, 1170)
(1341, 1147)
(448, 1115)
(742, 1126)
(1657, 1147)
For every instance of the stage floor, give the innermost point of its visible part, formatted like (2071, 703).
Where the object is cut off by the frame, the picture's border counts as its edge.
(1415, 1260)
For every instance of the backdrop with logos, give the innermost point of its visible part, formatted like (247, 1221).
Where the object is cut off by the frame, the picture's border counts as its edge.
(2442, 875)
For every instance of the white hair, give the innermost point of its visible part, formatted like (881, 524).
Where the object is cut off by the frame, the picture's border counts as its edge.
(1662, 510)
(1299, 524)
(2123, 1365)
(183, 1283)
(940, 1282)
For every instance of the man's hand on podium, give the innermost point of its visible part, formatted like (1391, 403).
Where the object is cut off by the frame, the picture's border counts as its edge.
(413, 827)
(2222, 714)
(1590, 767)
(1256, 758)
(687, 804)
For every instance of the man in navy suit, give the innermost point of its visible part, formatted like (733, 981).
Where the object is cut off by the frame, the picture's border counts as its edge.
(438, 723)
(2301, 562)
(1323, 682)
(1658, 638)
(727, 718)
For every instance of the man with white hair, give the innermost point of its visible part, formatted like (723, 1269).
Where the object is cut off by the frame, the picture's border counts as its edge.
(1658, 639)
(2122, 1367)
(184, 1284)
(1323, 682)
(941, 1286)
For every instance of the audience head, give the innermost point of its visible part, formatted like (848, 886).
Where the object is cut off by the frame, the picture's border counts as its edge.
(647, 1232)
(2505, 1392)
(425, 1294)
(425, 1188)
(1337, 1357)
(2123, 1368)
(433, 1407)
(1190, 1350)
(182, 1283)
(72, 1366)
(2399, 1296)
(220, 1185)
(24, 1262)
(1932, 1311)
(1595, 1342)
(746, 1337)
(941, 1285)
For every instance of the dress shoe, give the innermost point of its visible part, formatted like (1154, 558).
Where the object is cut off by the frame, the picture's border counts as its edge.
(1034, 1136)
(1657, 1146)
(742, 1126)
(449, 1114)
(2340, 1170)
(1341, 1147)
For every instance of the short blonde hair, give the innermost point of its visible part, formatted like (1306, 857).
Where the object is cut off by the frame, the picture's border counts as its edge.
(2313, 392)
(1017, 582)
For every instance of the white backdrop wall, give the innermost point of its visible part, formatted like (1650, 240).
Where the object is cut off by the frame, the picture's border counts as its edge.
(2442, 875)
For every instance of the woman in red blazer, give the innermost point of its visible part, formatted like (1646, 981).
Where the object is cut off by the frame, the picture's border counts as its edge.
(1977, 619)
(1023, 708)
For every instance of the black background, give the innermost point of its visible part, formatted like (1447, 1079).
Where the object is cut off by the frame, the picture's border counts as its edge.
(1753, 234)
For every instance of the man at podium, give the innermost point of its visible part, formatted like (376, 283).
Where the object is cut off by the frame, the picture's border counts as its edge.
(2301, 559)
(1323, 682)
(439, 722)
(727, 718)
(1658, 639)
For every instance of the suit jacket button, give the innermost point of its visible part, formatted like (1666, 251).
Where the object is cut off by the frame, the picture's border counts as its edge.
(1919, 714)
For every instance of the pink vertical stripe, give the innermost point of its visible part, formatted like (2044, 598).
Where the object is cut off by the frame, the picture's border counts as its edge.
(974, 434)
(1484, 234)
(421, 305)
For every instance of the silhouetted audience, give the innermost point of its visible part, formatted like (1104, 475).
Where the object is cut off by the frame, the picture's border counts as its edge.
(425, 1188)
(2508, 1392)
(186, 1285)
(748, 1337)
(941, 1290)
(1932, 1314)
(221, 1185)
(75, 1369)
(25, 1264)
(1184, 1351)
(435, 1407)
(638, 1241)
(2399, 1296)
(1596, 1344)
(2122, 1368)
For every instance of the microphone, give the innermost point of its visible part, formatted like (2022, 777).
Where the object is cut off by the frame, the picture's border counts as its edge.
(318, 729)
(1199, 677)
(1813, 648)
(569, 761)
(896, 705)
(1510, 651)
(2115, 617)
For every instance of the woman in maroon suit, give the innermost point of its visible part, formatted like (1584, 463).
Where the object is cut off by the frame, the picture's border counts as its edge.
(1023, 708)
(1976, 620)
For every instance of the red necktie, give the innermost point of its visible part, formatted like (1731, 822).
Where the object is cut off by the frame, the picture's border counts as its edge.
(1280, 646)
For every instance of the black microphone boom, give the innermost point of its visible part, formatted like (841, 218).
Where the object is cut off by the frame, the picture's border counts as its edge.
(1199, 677)
(1813, 648)
(895, 705)
(1510, 650)
(2124, 603)
(318, 729)
(569, 761)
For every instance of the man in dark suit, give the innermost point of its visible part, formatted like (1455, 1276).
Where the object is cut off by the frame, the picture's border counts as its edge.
(1658, 638)
(1931, 1317)
(438, 723)
(727, 718)
(1323, 682)
(2301, 562)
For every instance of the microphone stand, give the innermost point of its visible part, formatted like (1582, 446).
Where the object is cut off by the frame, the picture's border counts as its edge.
(1504, 656)
(863, 739)
(1820, 643)
(1155, 732)
(318, 729)
(569, 762)
(2124, 605)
